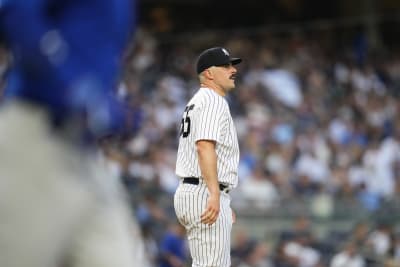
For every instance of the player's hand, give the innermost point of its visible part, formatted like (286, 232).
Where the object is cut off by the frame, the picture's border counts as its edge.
(210, 215)
(233, 216)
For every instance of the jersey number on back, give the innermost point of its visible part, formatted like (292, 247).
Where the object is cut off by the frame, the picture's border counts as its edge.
(185, 123)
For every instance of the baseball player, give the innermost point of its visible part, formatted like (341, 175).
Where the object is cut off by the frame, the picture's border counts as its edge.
(58, 205)
(207, 161)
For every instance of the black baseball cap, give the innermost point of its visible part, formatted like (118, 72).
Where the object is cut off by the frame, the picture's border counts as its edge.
(216, 56)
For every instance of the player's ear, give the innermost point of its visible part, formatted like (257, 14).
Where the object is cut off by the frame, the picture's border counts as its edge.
(208, 73)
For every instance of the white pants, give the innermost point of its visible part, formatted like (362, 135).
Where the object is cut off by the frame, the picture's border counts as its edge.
(209, 245)
(58, 207)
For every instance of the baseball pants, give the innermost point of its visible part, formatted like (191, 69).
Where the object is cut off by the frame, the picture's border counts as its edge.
(209, 244)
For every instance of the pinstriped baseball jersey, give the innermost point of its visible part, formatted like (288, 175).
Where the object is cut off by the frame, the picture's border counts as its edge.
(207, 117)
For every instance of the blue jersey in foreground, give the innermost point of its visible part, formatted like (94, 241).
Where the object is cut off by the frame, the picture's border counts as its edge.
(67, 56)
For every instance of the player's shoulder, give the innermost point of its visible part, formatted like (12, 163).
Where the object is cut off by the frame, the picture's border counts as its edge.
(207, 97)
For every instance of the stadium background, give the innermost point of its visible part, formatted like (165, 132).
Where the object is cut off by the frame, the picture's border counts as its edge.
(316, 108)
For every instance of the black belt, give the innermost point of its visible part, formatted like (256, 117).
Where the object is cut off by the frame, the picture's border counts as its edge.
(194, 180)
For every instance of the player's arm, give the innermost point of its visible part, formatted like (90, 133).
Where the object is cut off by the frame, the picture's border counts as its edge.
(208, 166)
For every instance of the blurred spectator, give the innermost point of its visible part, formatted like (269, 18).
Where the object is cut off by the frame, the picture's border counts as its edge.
(396, 249)
(348, 257)
(359, 234)
(258, 190)
(240, 241)
(150, 245)
(173, 248)
(150, 214)
(301, 225)
(255, 254)
(282, 259)
(379, 240)
(300, 250)
(283, 85)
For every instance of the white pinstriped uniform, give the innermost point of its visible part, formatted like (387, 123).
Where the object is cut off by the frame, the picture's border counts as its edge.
(206, 117)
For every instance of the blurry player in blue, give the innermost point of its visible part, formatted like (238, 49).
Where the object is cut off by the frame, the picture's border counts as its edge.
(58, 205)
(173, 247)
(67, 56)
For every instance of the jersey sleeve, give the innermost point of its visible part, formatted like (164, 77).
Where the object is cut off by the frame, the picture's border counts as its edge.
(209, 120)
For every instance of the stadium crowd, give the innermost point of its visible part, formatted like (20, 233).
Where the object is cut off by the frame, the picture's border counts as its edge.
(314, 118)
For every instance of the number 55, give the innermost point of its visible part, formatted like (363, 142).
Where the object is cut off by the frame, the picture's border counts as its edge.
(185, 123)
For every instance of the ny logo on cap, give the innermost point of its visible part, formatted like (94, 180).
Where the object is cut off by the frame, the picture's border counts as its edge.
(225, 52)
